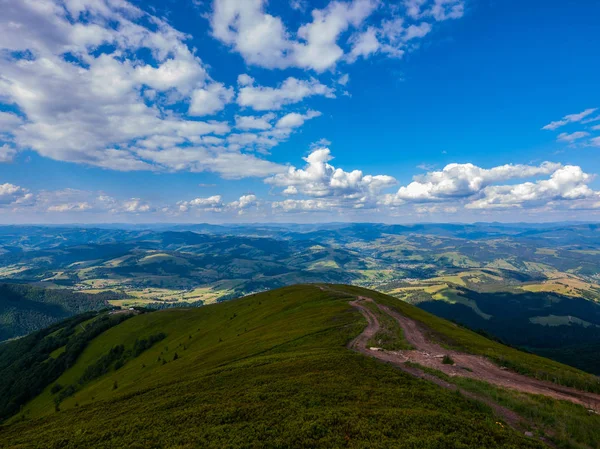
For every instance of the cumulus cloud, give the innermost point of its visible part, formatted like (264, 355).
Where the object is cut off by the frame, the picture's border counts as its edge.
(84, 105)
(250, 122)
(210, 99)
(212, 203)
(104, 83)
(243, 203)
(11, 194)
(322, 180)
(264, 40)
(392, 38)
(462, 180)
(259, 37)
(291, 91)
(364, 44)
(229, 164)
(570, 118)
(321, 43)
(9, 122)
(567, 183)
(133, 206)
(216, 204)
(74, 201)
(261, 135)
(295, 120)
(85, 95)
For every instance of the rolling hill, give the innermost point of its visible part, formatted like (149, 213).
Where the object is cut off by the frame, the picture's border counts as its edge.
(293, 367)
(504, 270)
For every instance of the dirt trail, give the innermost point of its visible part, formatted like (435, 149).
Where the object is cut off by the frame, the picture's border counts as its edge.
(429, 354)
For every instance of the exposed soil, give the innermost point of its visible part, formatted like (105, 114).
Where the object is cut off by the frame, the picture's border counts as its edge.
(430, 354)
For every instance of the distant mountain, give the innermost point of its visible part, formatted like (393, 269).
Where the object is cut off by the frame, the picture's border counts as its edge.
(169, 265)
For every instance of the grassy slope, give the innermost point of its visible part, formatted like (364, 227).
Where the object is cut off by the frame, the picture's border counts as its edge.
(270, 370)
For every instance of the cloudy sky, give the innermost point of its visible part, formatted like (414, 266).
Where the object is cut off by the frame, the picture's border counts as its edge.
(299, 111)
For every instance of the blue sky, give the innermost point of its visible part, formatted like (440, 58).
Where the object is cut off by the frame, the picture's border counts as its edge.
(298, 111)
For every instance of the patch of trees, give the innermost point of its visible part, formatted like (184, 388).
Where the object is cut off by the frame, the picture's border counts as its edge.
(26, 366)
(25, 308)
(114, 359)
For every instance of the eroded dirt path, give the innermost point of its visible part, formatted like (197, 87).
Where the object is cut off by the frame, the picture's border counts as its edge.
(430, 354)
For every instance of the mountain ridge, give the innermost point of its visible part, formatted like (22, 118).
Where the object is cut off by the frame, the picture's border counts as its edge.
(274, 367)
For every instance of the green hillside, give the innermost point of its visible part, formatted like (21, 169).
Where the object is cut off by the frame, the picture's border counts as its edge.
(274, 370)
(24, 308)
(565, 328)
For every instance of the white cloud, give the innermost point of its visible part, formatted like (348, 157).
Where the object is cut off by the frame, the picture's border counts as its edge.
(182, 74)
(264, 40)
(228, 163)
(344, 79)
(70, 207)
(291, 91)
(571, 118)
(298, 5)
(249, 122)
(9, 122)
(321, 143)
(572, 137)
(318, 45)
(73, 72)
(566, 183)
(591, 120)
(364, 44)
(413, 8)
(212, 203)
(447, 9)
(322, 180)
(435, 209)
(259, 37)
(11, 194)
(215, 204)
(295, 120)
(74, 201)
(210, 99)
(417, 31)
(440, 10)
(462, 180)
(133, 206)
(7, 154)
(243, 203)
(393, 38)
(310, 205)
(245, 80)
